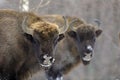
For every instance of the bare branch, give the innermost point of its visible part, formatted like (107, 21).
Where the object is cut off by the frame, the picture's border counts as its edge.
(41, 5)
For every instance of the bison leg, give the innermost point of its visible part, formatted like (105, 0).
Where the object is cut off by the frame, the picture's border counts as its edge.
(52, 74)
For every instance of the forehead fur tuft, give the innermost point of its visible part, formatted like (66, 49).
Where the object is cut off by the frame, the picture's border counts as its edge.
(85, 28)
(46, 29)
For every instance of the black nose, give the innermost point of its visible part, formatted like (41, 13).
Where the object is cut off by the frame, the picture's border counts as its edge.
(89, 49)
(46, 60)
(52, 60)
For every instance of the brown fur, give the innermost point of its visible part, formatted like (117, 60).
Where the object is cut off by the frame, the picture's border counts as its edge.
(17, 51)
(67, 54)
(67, 41)
(58, 19)
(45, 29)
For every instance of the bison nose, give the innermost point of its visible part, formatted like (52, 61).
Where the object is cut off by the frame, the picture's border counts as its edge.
(52, 60)
(46, 61)
(89, 49)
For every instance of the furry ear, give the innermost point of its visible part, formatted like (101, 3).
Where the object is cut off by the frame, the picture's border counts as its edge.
(61, 36)
(98, 32)
(72, 34)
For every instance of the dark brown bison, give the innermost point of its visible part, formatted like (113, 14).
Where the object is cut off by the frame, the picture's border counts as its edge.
(25, 38)
(76, 47)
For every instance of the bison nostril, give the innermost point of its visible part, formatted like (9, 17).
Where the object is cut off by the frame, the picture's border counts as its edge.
(88, 51)
(52, 60)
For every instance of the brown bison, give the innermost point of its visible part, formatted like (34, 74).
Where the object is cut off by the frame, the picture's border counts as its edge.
(76, 47)
(25, 38)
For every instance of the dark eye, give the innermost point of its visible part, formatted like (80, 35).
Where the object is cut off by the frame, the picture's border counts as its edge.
(29, 37)
(61, 36)
(72, 34)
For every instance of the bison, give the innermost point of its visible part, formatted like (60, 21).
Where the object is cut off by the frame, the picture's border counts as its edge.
(25, 38)
(76, 47)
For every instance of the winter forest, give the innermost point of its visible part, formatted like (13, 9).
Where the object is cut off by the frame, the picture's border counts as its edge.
(105, 64)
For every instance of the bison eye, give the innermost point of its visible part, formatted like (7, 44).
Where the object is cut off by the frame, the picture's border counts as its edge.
(72, 34)
(29, 37)
(61, 36)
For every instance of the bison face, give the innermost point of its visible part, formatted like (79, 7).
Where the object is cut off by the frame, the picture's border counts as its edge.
(46, 46)
(85, 37)
(44, 36)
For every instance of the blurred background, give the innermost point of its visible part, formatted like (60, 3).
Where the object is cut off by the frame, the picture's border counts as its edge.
(106, 62)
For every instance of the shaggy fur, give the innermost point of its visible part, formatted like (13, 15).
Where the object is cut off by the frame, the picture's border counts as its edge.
(69, 52)
(18, 49)
(46, 30)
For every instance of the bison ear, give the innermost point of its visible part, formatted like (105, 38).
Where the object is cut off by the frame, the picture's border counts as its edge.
(72, 34)
(61, 36)
(98, 32)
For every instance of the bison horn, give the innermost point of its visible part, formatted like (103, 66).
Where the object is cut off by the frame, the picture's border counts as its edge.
(97, 21)
(25, 27)
(72, 23)
(65, 27)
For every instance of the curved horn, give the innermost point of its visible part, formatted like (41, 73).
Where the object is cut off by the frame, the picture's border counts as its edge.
(72, 23)
(65, 27)
(25, 27)
(97, 22)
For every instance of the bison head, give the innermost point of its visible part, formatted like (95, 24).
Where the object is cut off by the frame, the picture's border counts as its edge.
(44, 36)
(85, 37)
